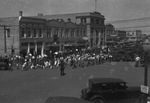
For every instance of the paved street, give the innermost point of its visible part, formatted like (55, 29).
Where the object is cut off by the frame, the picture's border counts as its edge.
(35, 86)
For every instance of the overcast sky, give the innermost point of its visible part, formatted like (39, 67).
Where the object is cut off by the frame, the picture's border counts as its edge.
(111, 9)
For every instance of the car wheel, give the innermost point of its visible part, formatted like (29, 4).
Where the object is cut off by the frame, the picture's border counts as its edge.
(98, 101)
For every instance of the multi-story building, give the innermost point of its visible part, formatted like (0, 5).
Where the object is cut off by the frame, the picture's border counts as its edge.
(22, 34)
(121, 35)
(109, 32)
(134, 35)
(94, 22)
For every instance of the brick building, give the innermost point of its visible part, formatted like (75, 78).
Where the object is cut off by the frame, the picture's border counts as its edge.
(134, 35)
(94, 21)
(28, 34)
(109, 32)
(121, 35)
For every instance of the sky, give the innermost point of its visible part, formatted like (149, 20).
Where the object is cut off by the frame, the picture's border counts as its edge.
(111, 9)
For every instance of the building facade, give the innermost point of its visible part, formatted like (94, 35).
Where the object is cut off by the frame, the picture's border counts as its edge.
(22, 35)
(109, 32)
(134, 35)
(121, 35)
(94, 21)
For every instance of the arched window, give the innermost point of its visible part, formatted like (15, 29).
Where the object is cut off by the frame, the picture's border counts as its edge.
(40, 31)
(72, 33)
(23, 31)
(29, 30)
(66, 32)
(49, 32)
(77, 33)
(35, 31)
(61, 32)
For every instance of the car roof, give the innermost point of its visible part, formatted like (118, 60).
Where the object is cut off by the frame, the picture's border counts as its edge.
(65, 99)
(106, 80)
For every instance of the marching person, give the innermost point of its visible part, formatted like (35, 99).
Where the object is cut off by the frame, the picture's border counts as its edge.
(137, 59)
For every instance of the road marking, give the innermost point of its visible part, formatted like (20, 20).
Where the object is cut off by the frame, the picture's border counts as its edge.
(54, 78)
(113, 63)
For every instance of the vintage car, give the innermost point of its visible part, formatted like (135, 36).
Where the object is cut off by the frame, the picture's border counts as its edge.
(110, 90)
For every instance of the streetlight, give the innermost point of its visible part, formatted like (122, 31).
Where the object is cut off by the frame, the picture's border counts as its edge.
(146, 48)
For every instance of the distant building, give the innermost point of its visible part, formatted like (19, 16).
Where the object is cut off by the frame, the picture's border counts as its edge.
(120, 35)
(134, 35)
(109, 32)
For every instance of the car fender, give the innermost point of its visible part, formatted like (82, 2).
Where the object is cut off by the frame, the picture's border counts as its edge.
(97, 97)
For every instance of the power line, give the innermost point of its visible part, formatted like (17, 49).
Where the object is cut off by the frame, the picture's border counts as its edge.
(128, 20)
(143, 26)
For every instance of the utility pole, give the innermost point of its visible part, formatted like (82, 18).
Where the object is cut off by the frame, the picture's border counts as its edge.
(5, 47)
(5, 43)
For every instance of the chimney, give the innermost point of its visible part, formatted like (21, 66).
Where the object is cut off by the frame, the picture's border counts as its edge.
(69, 19)
(20, 13)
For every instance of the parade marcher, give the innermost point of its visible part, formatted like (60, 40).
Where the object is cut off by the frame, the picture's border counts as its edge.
(137, 59)
(6, 60)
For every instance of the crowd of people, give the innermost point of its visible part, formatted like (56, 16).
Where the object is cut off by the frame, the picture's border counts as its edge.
(78, 59)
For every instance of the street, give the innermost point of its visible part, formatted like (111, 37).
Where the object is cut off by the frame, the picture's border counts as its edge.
(35, 86)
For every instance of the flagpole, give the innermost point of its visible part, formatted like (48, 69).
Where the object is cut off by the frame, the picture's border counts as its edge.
(95, 5)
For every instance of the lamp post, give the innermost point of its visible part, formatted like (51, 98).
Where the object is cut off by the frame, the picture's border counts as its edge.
(146, 48)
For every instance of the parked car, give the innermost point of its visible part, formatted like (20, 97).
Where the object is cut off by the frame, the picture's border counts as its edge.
(110, 90)
(65, 99)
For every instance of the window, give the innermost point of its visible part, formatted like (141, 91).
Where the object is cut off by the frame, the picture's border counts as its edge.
(40, 32)
(72, 33)
(84, 20)
(61, 33)
(8, 32)
(119, 86)
(49, 32)
(92, 20)
(23, 35)
(24, 44)
(29, 32)
(35, 32)
(81, 33)
(97, 21)
(66, 33)
(92, 30)
(106, 86)
(77, 33)
(56, 31)
(84, 33)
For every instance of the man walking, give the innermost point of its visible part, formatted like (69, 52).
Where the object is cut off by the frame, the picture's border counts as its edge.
(62, 66)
